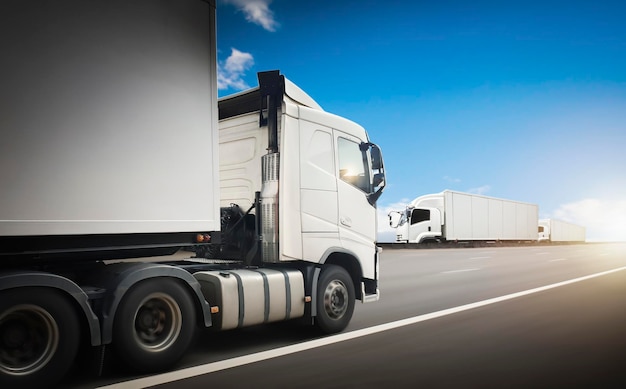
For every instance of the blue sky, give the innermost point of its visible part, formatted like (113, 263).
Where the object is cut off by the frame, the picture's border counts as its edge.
(520, 100)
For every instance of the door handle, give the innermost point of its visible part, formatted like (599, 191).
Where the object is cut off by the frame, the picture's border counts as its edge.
(346, 221)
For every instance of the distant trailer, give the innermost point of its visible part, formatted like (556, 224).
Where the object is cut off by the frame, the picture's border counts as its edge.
(551, 230)
(457, 216)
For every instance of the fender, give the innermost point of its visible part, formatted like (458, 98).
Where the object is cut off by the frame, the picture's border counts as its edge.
(348, 260)
(425, 236)
(21, 279)
(125, 275)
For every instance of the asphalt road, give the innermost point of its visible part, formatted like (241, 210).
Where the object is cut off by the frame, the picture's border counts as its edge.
(446, 318)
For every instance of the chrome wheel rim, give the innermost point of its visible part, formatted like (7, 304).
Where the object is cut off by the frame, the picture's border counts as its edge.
(336, 299)
(158, 321)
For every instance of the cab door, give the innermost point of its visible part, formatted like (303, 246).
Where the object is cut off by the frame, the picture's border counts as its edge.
(356, 216)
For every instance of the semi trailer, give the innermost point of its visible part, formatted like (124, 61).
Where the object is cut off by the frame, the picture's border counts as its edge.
(553, 230)
(458, 216)
(117, 160)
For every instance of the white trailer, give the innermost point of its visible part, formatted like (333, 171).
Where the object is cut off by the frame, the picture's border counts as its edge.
(111, 151)
(552, 230)
(457, 216)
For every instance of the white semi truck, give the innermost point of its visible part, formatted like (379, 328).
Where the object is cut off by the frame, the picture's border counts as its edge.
(457, 216)
(111, 155)
(553, 230)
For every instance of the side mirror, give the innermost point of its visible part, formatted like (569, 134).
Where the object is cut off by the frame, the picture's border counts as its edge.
(394, 219)
(378, 172)
(377, 158)
(379, 178)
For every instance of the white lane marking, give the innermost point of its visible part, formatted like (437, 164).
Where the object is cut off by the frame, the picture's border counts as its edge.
(558, 259)
(458, 271)
(480, 257)
(287, 350)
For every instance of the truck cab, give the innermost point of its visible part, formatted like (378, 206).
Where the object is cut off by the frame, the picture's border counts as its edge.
(320, 179)
(422, 220)
(417, 225)
(543, 231)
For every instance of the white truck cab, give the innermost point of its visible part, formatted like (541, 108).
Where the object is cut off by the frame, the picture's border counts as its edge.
(421, 221)
(322, 175)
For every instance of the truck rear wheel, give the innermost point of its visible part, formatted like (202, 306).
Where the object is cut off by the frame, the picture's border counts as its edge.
(154, 325)
(335, 299)
(39, 337)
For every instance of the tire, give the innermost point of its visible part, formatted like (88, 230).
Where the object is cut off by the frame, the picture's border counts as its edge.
(39, 337)
(335, 299)
(154, 325)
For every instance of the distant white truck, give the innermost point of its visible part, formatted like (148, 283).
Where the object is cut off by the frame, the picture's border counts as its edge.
(457, 216)
(551, 230)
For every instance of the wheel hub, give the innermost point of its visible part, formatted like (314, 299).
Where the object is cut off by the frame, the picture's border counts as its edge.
(14, 335)
(336, 299)
(157, 323)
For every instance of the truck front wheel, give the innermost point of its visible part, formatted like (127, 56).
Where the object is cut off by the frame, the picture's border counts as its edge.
(39, 337)
(335, 299)
(154, 325)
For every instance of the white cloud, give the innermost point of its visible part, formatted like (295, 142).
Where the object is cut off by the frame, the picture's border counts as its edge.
(230, 72)
(481, 190)
(605, 220)
(386, 234)
(451, 180)
(257, 11)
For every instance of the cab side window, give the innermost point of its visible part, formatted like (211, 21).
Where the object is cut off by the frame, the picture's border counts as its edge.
(420, 215)
(353, 164)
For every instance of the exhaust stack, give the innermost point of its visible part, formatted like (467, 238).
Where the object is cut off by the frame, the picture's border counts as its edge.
(271, 85)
